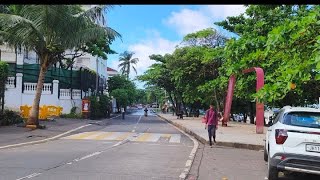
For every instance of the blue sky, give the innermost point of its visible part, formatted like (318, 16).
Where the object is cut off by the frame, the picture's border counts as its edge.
(157, 29)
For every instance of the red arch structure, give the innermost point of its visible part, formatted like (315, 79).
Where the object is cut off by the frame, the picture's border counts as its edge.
(259, 106)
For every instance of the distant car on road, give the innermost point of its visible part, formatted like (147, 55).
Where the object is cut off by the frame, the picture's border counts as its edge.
(293, 142)
(155, 105)
(238, 117)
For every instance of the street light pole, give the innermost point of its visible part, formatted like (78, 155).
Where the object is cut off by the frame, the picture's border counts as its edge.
(97, 76)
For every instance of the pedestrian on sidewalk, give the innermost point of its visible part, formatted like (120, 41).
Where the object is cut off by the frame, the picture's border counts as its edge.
(122, 112)
(211, 121)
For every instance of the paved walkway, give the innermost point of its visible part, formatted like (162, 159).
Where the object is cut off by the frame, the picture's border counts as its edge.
(236, 134)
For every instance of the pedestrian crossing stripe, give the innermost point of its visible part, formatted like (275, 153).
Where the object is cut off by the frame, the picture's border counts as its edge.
(119, 136)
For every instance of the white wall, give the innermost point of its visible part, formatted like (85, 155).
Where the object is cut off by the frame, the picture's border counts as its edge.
(14, 98)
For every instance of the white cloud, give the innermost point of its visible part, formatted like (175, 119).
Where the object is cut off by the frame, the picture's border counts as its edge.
(221, 12)
(152, 44)
(184, 21)
(188, 21)
(147, 47)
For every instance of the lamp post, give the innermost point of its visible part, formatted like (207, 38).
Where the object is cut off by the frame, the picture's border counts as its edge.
(97, 76)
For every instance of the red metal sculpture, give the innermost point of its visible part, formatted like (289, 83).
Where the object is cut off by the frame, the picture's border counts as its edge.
(259, 106)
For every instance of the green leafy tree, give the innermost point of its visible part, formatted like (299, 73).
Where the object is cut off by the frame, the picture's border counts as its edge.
(141, 96)
(50, 30)
(281, 39)
(158, 76)
(122, 89)
(127, 62)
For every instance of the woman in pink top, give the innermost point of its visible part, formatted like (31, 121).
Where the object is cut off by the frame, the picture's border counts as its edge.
(211, 122)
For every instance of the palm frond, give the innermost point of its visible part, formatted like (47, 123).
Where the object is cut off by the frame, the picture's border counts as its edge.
(96, 13)
(135, 70)
(134, 60)
(19, 30)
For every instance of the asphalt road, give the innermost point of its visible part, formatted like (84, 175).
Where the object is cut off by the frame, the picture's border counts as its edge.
(137, 147)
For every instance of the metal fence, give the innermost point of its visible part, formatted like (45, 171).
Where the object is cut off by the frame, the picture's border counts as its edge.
(68, 79)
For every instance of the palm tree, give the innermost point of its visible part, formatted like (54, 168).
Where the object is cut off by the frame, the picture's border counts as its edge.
(49, 30)
(126, 63)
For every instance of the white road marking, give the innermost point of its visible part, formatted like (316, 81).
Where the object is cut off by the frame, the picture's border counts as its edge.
(113, 136)
(175, 138)
(135, 127)
(45, 140)
(144, 137)
(87, 156)
(154, 137)
(29, 176)
(92, 136)
(183, 175)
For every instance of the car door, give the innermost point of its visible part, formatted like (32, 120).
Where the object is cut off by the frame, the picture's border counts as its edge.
(271, 132)
(303, 130)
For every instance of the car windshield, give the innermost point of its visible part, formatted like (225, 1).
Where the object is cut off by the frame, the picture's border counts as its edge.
(303, 119)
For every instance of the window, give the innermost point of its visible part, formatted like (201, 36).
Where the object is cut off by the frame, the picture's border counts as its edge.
(278, 115)
(302, 119)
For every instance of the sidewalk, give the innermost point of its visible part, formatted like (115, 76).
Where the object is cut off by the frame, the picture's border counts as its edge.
(238, 135)
(11, 135)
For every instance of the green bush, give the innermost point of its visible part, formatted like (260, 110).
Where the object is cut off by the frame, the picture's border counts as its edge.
(72, 114)
(9, 117)
(99, 109)
(3, 78)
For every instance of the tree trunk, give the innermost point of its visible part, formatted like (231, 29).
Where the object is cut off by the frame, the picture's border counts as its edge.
(216, 100)
(34, 114)
(172, 101)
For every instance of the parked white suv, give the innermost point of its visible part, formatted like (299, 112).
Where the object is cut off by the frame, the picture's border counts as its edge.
(293, 142)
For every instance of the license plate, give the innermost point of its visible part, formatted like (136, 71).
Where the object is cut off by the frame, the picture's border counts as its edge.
(313, 148)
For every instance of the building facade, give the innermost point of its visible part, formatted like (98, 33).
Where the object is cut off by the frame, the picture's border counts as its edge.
(20, 90)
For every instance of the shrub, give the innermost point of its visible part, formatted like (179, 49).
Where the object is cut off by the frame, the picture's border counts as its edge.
(3, 78)
(99, 109)
(9, 117)
(72, 114)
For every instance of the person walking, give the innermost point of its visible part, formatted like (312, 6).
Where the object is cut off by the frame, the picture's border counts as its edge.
(146, 111)
(122, 112)
(211, 117)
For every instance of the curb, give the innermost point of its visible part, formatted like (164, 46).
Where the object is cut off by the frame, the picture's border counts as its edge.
(51, 138)
(43, 140)
(192, 155)
(204, 141)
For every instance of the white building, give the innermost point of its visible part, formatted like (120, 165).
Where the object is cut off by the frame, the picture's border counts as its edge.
(111, 72)
(20, 93)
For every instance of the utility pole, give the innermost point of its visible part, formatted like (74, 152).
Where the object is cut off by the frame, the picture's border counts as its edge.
(97, 76)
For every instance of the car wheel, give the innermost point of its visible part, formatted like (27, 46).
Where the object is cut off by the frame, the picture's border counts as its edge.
(272, 172)
(265, 155)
